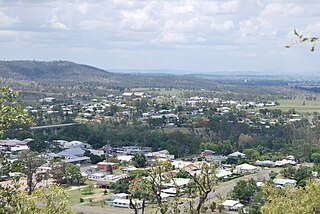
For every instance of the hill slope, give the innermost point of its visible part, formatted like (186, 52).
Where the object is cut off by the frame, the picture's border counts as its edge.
(57, 75)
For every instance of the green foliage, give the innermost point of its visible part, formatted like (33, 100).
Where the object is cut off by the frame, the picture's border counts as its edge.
(87, 190)
(292, 200)
(121, 186)
(31, 161)
(139, 159)
(54, 199)
(213, 206)
(182, 174)
(72, 174)
(138, 173)
(315, 157)
(10, 110)
(299, 174)
(303, 39)
(273, 175)
(244, 190)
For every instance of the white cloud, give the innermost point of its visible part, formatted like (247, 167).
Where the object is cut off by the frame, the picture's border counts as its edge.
(256, 28)
(282, 9)
(224, 26)
(56, 24)
(83, 8)
(93, 24)
(6, 20)
(206, 28)
(168, 37)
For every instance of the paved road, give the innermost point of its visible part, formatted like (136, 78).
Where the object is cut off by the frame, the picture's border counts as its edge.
(224, 188)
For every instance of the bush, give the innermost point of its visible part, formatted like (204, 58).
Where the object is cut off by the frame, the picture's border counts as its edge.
(221, 208)
(213, 206)
(81, 200)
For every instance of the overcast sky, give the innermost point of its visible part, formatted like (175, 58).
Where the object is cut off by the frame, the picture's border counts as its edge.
(195, 35)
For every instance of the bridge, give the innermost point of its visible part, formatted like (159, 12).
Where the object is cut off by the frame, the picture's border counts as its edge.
(55, 127)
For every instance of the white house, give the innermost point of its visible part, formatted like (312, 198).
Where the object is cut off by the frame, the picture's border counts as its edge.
(285, 162)
(222, 173)
(284, 182)
(125, 203)
(237, 155)
(232, 205)
(96, 176)
(246, 169)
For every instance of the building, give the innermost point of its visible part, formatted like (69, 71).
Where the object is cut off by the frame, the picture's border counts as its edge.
(96, 176)
(232, 205)
(125, 203)
(72, 152)
(135, 149)
(103, 166)
(237, 155)
(246, 169)
(120, 195)
(284, 182)
(109, 179)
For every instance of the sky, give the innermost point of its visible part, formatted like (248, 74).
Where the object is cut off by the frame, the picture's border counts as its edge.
(191, 35)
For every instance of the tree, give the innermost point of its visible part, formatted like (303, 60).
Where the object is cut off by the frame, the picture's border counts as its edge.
(10, 111)
(58, 170)
(38, 146)
(244, 190)
(121, 186)
(31, 162)
(73, 174)
(292, 200)
(139, 159)
(158, 174)
(202, 184)
(139, 188)
(54, 200)
(244, 140)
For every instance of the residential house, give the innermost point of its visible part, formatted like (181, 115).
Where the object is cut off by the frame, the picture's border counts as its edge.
(237, 155)
(284, 182)
(125, 203)
(96, 176)
(232, 205)
(246, 169)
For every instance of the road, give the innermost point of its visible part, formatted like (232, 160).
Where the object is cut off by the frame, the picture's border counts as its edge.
(224, 188)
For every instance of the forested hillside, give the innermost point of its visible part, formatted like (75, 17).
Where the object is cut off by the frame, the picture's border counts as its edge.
(59, 73)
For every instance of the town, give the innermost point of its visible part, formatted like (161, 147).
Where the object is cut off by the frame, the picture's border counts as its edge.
(158, 150)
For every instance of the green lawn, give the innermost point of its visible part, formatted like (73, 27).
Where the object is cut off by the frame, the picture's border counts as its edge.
(74, 196)
(297, 104)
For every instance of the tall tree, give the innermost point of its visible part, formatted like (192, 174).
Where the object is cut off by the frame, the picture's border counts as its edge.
(202, 183)
(31, 162)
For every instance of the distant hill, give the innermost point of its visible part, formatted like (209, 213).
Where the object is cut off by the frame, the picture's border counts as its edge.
(39, 70)
(65, 76)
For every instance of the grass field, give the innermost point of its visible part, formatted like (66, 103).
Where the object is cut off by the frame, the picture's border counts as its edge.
(297, 104)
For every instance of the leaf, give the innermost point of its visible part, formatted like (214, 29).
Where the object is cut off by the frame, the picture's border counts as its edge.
(313, 39)
(305, 39)
(287, 46)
